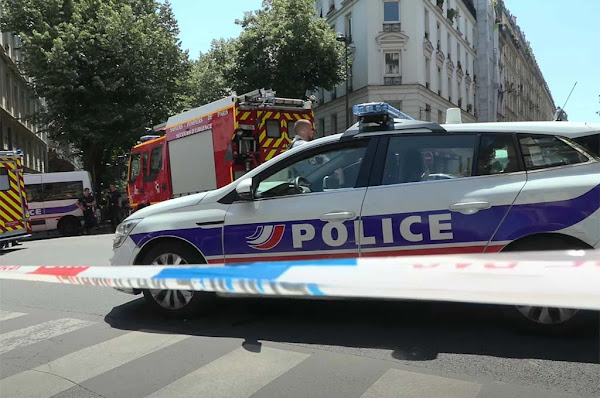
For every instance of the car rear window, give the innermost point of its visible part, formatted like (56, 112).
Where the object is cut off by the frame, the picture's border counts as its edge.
(542, 151)
(591, 143)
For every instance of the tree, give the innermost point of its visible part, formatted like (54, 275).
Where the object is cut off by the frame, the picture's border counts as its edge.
(211, 76)
(284, 46)
(107, 69)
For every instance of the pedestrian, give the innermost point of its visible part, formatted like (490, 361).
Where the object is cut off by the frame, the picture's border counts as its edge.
(113, 197)
(86, 203)
(304, 133)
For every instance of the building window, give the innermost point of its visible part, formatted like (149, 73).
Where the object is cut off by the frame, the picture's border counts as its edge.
(349, 28)
(321, 131)
(427, 25)
(448, 47)
(392, 64)
(457, 52)
(334, 123)
(450, 89)
(427, 73)
(440, 115)
(391, 11)
(439, 71)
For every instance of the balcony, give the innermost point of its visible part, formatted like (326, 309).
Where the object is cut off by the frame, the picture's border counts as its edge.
(331, 9)
(392, 81)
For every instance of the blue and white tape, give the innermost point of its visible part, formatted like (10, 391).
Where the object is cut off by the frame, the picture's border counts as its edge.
(558, 279)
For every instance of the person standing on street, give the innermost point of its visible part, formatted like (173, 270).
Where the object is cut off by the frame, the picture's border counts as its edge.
(114, 206)
(86, 203)
(304, 133)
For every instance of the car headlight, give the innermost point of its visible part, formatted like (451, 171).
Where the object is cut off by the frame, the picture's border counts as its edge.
(123, 231)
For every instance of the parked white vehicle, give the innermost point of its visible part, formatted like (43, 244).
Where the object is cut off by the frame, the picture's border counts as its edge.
(376, 190)
(52, 199)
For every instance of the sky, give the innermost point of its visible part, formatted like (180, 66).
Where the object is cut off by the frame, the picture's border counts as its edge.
(564, 36)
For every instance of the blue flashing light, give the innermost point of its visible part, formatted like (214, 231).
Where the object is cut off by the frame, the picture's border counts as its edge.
(378, 111)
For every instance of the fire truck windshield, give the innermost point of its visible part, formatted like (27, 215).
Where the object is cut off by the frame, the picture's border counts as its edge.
(134, 166)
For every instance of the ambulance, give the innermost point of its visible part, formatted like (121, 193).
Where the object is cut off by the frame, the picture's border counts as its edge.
(208, 147)
(376, 190)
(14, 215)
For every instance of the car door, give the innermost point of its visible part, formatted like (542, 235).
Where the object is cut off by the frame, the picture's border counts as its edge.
(433, 196)
(306, 207)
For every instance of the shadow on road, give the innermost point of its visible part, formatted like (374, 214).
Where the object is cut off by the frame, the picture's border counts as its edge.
(12, 249)
(411, 331)
(43, 235)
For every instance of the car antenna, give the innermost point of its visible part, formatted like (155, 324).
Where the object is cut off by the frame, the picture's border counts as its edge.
(563, 107)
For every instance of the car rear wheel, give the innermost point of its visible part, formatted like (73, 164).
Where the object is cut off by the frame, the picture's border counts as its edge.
(547, 319)
(174, 302)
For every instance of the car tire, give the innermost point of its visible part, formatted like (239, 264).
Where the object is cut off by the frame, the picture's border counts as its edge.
(547, 320)
(69, 226)
(175, 303)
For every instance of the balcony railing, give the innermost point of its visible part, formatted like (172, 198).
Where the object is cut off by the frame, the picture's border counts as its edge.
(392, 27)
(392, 80)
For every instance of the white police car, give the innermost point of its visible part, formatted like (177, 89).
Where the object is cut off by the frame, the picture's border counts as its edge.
(388, 186)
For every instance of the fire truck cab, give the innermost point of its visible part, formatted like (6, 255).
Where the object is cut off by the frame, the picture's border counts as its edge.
(208, 147)
(14, 216)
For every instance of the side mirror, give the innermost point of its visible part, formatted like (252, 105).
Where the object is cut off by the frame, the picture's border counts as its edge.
(244, 189)
(325, 180)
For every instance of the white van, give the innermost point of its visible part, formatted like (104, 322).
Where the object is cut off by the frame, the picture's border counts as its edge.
(52, 199)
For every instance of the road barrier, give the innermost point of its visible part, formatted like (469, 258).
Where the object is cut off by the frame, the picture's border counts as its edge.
(555, 279)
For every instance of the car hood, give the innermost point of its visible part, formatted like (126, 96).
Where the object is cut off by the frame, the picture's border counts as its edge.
(168, 205)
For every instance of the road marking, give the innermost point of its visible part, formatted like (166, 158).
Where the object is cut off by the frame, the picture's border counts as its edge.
(40, 332)
(6, 315)
(238, 374)
(395, 383)
(62, 373)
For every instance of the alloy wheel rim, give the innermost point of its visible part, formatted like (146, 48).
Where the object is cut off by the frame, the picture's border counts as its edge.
(171, 299)
(547, 315)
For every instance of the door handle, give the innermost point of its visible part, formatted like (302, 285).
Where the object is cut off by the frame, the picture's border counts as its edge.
(469, 207)
(338, 216)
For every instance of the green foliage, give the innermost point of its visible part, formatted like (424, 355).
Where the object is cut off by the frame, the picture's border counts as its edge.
(106, 68)
(284, 47)
(211, 74)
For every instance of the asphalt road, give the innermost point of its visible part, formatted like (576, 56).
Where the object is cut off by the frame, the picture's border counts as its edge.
(76, 341)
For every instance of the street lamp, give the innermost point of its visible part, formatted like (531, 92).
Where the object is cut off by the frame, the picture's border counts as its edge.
(342, 38)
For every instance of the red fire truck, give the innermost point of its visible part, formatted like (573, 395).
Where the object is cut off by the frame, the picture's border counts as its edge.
(210, 146)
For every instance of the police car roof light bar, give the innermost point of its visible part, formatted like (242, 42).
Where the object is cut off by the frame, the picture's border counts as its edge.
(378, 111)
(380, 116)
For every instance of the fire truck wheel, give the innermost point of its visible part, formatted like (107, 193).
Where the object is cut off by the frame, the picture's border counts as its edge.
(175, 303)
(69, 226)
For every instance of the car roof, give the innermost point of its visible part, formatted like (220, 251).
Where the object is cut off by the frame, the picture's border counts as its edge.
(565, 129)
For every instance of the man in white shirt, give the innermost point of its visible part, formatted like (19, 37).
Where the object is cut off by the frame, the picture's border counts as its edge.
(304, 133)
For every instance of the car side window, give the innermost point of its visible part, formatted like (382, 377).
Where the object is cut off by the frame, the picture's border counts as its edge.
(317, 172)
(543, 151)
(426, 158)
(497, 155)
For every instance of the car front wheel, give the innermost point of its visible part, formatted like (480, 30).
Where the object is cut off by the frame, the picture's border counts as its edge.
(174, 302)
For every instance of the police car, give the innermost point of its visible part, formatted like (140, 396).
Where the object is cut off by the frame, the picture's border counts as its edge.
(388, 186)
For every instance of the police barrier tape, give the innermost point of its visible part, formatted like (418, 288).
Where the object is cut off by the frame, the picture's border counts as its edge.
(555, 279)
